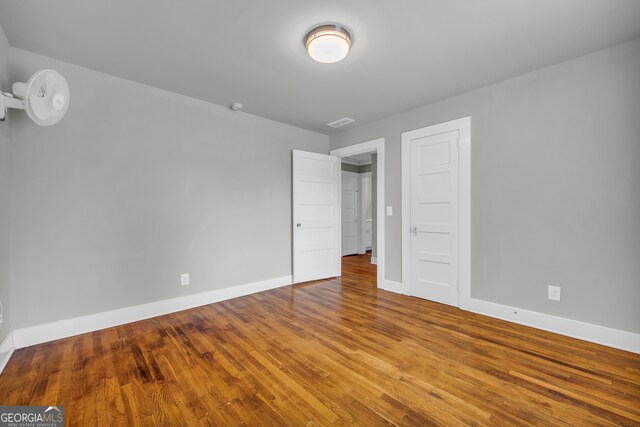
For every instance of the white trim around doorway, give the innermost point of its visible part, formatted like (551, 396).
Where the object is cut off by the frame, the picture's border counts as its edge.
(376, 145)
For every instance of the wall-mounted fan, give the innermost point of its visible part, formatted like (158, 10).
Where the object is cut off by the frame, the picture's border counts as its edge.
(45, 98)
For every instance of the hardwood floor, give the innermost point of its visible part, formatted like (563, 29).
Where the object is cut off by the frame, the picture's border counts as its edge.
(332, 352)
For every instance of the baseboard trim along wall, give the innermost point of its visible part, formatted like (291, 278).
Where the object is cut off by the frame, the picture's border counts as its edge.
(374, 260)
(397, 287)
(610, 337)
(38, 334)
(6, 350)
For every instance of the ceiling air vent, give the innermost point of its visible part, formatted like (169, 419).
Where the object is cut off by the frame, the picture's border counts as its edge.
(341, 122)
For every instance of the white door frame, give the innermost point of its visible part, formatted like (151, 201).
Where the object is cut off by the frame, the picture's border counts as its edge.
(463, 125)
(376, 145)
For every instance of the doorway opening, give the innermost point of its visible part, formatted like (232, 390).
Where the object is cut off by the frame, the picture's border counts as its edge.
(361, 212)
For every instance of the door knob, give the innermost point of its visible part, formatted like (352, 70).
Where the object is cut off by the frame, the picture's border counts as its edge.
(298, 225)
(413, 230)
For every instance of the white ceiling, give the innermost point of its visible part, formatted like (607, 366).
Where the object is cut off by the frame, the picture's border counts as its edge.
(406, 53)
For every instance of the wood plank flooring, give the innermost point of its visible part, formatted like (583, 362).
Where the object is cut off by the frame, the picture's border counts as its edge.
(338, 352)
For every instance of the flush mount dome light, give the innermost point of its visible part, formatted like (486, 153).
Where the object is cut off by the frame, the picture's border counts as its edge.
(328, 43)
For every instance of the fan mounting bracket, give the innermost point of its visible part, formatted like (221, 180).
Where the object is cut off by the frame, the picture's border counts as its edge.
(7, 100)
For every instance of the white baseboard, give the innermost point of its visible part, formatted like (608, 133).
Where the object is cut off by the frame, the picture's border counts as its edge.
(610, 337)
(32, 335)
(374, 260)
(397, 287)
(6, 350)
(25, 337)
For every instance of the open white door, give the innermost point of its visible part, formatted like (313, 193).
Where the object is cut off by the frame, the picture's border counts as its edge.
(316, 216)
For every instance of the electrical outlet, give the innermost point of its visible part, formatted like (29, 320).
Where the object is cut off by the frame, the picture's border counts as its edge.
(184, 279)
(554, 293)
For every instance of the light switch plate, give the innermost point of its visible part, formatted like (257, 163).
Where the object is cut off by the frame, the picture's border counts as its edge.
(389, 210)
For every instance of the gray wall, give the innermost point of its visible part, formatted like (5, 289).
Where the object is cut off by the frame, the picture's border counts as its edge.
(364, 169)
(348, 167)
(137, 185)
(5, 191)
(555, 186)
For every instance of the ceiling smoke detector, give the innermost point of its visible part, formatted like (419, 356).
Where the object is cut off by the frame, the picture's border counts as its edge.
(237, 106)
(340, 122)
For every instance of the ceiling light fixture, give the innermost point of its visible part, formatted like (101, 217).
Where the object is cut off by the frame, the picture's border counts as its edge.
(328, 43)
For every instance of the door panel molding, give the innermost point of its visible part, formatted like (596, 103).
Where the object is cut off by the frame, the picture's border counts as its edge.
(365, 240)
(350, 213)
(316, 224)
(463, 242)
